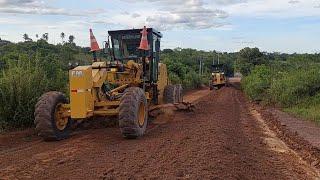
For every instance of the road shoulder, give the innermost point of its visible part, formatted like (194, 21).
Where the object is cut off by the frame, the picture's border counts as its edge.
(300, 135)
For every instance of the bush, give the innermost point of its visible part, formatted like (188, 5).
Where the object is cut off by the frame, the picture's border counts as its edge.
(27, 71)
(20, 86)
(174, 79)
(257, 83)
(192, 80)
(295, 86)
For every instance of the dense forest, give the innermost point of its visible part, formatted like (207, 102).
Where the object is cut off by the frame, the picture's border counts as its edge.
(30, 68)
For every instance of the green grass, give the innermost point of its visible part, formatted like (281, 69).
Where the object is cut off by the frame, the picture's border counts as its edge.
(307, 112)
(309, 108)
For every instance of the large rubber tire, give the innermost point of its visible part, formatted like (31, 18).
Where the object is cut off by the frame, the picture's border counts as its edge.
(45, 117)
(169, 94)
(129, 107)
(179, 93)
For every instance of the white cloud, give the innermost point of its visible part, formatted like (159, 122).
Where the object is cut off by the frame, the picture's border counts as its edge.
(273, 8)
(317, 6)
(17, 2)
(294, 2)
(229, 2)
(182, 14)
(40, 8)
(135, 15)
(204, 14)
(42, 11)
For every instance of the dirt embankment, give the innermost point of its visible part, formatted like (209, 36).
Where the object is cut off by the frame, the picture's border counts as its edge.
(224, 138)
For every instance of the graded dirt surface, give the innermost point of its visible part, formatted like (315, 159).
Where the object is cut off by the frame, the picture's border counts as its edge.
(224, 138)
(309, 130)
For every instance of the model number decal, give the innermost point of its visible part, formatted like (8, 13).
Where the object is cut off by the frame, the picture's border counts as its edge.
(77, 73)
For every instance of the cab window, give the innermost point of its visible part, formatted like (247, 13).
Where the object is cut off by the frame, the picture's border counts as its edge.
(116, 49)
(125, 46)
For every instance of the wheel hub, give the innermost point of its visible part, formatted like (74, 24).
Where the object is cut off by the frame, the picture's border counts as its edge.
(60, 119)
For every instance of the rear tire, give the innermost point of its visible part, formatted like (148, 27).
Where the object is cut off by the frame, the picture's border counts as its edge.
(169, 94)
(45, 121)
(133, 113)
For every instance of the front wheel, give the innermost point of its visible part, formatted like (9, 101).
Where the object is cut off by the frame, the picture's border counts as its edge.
(51, 117)
(133, 113)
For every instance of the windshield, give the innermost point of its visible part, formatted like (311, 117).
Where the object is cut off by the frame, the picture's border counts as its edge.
(125, 46)
(217, 68)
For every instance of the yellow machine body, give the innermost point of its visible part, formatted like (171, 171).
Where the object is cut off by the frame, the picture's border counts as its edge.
(218, 79)
(86, 96)
(81, 84)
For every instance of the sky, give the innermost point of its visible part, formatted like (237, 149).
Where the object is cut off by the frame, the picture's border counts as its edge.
(286, 26)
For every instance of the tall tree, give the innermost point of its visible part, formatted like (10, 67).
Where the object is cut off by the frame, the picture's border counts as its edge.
(247, 59)
(45, 36)
(37, 36)
(62, 35)
(251, 55)
(71, 39)
(26, 37)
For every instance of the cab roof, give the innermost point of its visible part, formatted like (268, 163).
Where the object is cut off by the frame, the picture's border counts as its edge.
(135, 31)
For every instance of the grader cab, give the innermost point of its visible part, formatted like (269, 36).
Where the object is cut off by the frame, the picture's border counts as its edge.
(127, 85)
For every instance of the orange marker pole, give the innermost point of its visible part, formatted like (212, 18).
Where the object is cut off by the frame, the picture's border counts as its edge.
(94, 46)
(144, 47)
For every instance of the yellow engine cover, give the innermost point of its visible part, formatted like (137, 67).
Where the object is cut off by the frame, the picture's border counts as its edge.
(218, 78)
(81, 98)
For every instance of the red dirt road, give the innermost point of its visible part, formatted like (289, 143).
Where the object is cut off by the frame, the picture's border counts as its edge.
(223, 139)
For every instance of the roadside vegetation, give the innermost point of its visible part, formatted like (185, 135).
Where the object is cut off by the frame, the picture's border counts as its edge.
(291, 82)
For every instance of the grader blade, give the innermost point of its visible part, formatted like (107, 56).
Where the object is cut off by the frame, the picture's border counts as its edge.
(157, 110)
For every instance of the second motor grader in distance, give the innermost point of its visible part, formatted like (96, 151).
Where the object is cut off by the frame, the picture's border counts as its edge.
(218, 77)
(125, 86)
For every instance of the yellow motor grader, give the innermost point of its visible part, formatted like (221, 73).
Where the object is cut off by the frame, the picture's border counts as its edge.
(125, 86)
(218, 77)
